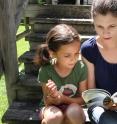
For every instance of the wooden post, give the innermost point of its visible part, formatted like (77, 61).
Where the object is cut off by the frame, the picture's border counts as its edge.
(8, 46)
(20, 7)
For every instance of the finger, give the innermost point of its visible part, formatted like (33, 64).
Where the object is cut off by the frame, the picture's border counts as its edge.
(50, 82)
(51, 86)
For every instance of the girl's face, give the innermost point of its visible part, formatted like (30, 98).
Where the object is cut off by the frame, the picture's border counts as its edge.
(106, 27)
(67, 55)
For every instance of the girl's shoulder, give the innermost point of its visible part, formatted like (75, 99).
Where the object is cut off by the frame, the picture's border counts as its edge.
(46, 67)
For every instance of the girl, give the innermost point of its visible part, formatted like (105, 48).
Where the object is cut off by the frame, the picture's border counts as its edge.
(100, 56)
(63, 77)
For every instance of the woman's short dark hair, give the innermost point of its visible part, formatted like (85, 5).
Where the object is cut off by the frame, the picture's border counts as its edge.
(104, 7)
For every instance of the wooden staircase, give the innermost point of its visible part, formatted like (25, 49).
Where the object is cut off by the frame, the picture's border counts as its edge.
(41, 18)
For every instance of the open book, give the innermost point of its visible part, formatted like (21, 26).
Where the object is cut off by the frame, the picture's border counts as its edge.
(100, 97)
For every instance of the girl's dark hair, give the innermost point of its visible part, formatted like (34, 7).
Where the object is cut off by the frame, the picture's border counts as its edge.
(104, 7)
(58, 36)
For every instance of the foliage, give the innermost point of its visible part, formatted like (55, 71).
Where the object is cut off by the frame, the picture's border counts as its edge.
(3, 98)
(41, 2)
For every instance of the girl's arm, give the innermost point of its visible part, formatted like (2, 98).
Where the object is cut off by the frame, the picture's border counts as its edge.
(50, 93)
(79, 100)
(91, 75)
(44, 93)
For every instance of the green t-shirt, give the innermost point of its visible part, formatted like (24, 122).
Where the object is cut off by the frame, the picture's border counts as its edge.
(68, 85)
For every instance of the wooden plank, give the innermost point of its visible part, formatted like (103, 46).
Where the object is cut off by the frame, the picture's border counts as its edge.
(27, 112)
(22, 111)
(61, 20)
(8, 45)
(23, 34)
(20, 7)
(63, 11)
(28, 81)
(39, 38)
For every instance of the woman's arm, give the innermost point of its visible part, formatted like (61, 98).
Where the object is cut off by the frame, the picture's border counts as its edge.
(91, 75)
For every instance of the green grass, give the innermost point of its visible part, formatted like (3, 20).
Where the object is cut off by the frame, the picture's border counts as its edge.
(22, 46)
(3, 97)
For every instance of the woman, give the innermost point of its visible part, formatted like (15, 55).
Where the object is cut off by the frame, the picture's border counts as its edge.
(100, 56)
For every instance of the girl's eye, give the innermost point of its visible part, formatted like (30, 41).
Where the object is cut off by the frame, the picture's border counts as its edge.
(67, 56)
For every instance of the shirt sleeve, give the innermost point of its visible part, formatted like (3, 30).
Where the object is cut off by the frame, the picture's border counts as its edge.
(89, 50)
(83, 75)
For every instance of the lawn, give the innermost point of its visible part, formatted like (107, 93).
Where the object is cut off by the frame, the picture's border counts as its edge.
(22, 46)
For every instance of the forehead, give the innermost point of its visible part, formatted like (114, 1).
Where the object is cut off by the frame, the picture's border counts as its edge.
(107, 19)
(72, 47)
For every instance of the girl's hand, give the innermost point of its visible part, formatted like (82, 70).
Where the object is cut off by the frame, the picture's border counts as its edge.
(54, 100)
(51, 88)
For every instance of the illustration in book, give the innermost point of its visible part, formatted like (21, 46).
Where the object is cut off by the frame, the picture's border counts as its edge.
(100, 97)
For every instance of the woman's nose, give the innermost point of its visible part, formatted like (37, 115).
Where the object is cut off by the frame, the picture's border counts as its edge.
(106, 32)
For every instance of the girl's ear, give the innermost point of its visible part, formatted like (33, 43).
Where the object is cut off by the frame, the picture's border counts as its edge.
(52, 54)
(53, 59)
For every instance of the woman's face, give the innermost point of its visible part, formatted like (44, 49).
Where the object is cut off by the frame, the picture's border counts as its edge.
(106, 27)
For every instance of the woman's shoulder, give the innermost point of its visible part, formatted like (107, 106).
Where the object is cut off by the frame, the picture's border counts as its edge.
(89, 50)
(90, 43)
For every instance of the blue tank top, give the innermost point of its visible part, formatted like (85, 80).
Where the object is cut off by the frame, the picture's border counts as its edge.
(105, 72)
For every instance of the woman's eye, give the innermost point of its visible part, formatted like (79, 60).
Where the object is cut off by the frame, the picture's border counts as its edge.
(77, 54)
(99, 27)
(113, 26)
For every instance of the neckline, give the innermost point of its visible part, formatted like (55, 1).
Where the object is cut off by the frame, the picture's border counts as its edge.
(60, 76)
(100, 55)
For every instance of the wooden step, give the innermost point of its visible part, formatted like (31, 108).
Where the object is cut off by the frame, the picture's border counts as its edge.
(58, 11)
(28, 80)
(29, 66)
(22, 113)
(40, 37)
(43, 25)
(29, 56)
(60, 20)
(32, 2)
(25, 113)
(28, 88)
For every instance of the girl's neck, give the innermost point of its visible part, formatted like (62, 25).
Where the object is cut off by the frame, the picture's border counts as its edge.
(61, 71)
